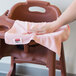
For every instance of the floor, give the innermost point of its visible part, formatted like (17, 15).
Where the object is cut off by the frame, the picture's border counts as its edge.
(18, 75)
(5, 74)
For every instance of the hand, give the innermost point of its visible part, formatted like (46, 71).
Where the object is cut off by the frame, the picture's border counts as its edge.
(44, 28)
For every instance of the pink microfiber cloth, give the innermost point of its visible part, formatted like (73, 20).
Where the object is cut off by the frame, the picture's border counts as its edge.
(18, 34)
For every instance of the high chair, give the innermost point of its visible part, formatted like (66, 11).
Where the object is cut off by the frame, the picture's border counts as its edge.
(33, 52)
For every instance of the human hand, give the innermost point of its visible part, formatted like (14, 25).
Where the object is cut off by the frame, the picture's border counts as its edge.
(44, 28)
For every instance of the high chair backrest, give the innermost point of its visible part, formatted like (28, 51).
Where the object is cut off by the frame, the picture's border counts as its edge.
(20, 11)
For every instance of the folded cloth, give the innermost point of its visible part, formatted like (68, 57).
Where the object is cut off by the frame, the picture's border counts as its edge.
(18, 34)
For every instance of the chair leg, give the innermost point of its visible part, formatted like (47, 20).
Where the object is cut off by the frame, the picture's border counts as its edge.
(51, 63)
(62, 61)
(13, 68)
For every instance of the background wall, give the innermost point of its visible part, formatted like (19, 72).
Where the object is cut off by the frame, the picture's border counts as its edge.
(69, 45)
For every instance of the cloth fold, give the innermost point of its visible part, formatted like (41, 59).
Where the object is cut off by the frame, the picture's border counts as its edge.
(18, 34)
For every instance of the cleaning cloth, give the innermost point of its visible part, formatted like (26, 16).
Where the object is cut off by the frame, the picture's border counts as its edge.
(18, 34)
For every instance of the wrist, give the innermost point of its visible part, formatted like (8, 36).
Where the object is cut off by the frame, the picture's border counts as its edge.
(57, 23)
(54, 25)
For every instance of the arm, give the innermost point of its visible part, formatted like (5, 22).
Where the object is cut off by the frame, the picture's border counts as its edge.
(67, 16)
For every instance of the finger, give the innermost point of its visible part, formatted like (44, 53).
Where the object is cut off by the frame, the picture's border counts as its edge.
(37, 30)
(33, 30)
(40, 33)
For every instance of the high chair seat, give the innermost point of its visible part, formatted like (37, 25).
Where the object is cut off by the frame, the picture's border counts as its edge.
(33, 52)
